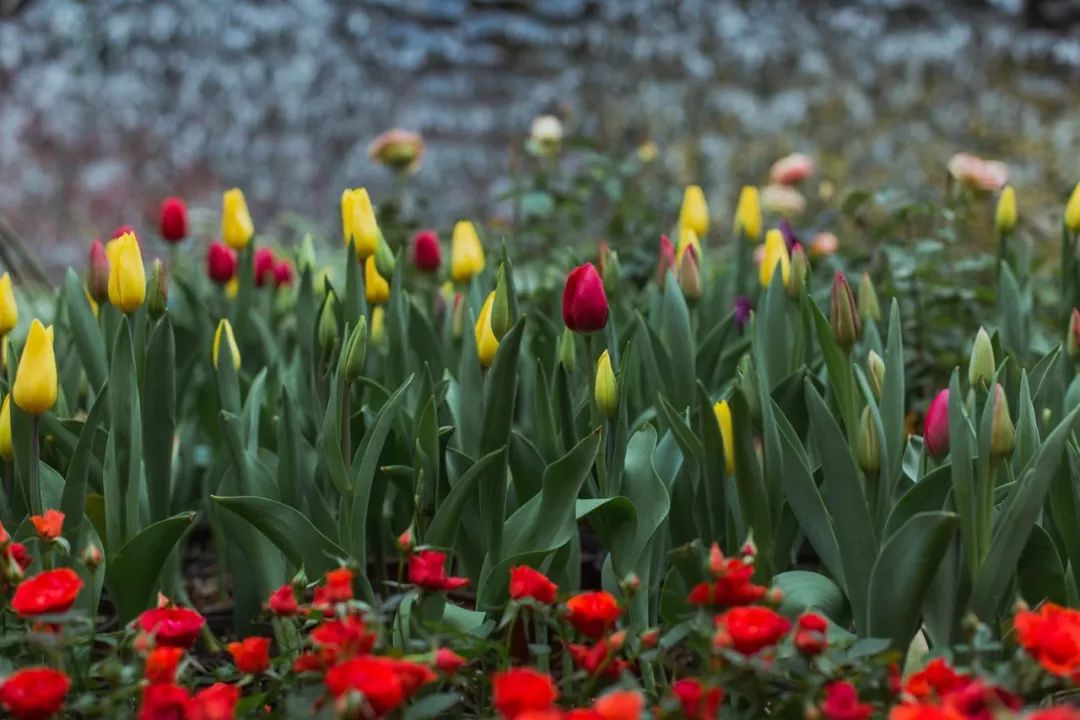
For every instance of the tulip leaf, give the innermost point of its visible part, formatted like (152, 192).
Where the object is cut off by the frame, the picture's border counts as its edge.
(1040, 571)
(132, 571)
(838, 365)
(679, 341)
(963, 479)
(891, 405)
(123, 462)
(444, 525)
(810, 591)
(73, 502)
(85, 331)
(159, 417)
(927, 495)
(289, 465)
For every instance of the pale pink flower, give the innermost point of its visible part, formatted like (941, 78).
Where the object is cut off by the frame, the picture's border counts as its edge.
(792, 169)
(782, 200)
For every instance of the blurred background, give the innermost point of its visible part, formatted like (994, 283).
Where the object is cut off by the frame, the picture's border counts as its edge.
(108, 106)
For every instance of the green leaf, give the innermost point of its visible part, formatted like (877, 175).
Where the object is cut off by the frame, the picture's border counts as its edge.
(432, 706)
(679, 341)
(123, 464)
(73, 504)
(444, 525)
(159, 417)
(927, 495)
(892, 402)
(132, 571)
(1041, 573)
(804, 590)
(85, 331)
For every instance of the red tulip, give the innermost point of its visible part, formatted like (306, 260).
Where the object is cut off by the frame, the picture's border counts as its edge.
(936, 425)
(427, 253)
(172, 219)
(665, 260)
(584, 305)
(220, 263)
(98, 282)
(283, 273)
(34, 693)
(263, 266)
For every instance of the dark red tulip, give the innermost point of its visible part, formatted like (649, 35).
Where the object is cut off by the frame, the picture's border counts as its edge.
(172, 220)
(427, 254)
(263, 266)
(121, 230)
(584, 304)
(283, 273)
(220, 263)
(98, 282)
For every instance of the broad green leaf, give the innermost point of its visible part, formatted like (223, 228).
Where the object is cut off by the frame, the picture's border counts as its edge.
(132, 571)
(73, 503)
(805, 590)
(159, 417)
(444, 525)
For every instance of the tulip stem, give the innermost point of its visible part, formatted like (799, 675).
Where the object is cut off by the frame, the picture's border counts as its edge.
(346, 440)
(35, 455)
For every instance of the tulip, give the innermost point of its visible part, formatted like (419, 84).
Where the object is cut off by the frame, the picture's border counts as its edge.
(545, 136)
(457, 315)
(1005, 214)
(9, 310)
(358, 222)
(748, 214)
(466, 253)
(173, 220)
(305, 254)
(225, 331)
(35, 380)
(875, 370)
(159, 290)
(283, 273)
(262, 266)
(610, 270)
(486, 342)
(690, 275)
(981, 364)
(694, 214)
(800, 268)
(98, 282)
(936, 425)
(500, 309)
(220, 263)
(869, 309)
(727, 434)
(791, 169)
(584, 304)
(842, 313)
(378, 325)
(122, 230)
(127, 276)
(5, 430)
(742, 308)
(567, 350)
(687, 239)
(606, 390)
(823, 245)
(1072, 341)
(328, 324)
(376, 288)
(1002, 432)
(398, 149)
(782, 200)
(237, 229)
(776, 255)
(1072, 210)
(665, 261)
(427, 255)
(867, 447)
(354, 360)
(385, 262)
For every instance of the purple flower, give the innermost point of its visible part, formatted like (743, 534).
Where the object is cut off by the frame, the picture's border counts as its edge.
(790, 238)
(743, 306)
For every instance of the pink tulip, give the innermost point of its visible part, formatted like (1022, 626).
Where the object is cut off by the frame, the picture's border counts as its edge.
(936, 425)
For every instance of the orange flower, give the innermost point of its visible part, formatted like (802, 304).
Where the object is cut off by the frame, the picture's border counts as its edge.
(49, 525)
(252, 655)
(161, 664)
(620, 705)
(593, 613)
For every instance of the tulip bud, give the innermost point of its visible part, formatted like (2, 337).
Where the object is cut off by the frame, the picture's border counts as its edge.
(936, 425)
(687, 239)
(172, 220)
(1005, 214)
(875, 370)
(610, 271)
(748, 214)
(457, 315)
(378, 326)
(567, 350)
(262, 266)
(97, 282)
(665, 260)
(224, 333)
(376, 289)
(398, 149)
(9, 310)
(1072, 342)
(500, 308)
(237, 229)
(606, 391)
(981, 365)
(842, 313)
(127, 276)
(35, 379)
(1002, 433)
(354, 360)
(328, 324)
(5, 430)
(486, 342)
(220, 263)
(159, 290)
(800, 268)
(776, 256)
(690, 276)
(427, 254)
(1072, 210)
(385, 261)
(584, 304)
(91, 555)
(868, 301)
(283, 273)
(305, 255)
(466, 253)
(694, 214)
(867, 448)
(727, 434)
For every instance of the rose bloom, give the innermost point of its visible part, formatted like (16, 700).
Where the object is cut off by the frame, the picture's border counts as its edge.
(427, 569)
(217, 702)
(842, 703)
(398, 149)
(978, 174)
(283, 602)
(791, 169)
(49, 525)
(620, 705)
(161, 664)
(172, 626)
(34, 693)
(51, 591)
(164, 701)
(342, 638)
(936, 680)
(525, 582)
(1051, 635)
(593, 613)
(750, 629)
(520, 690)
(698, 703)
(598, 660)
(782, 200)
(385, 682)
(251, 655)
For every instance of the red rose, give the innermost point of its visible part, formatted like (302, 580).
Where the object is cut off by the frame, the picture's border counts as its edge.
(810, 632)
(17, 553)
(935, 681)
(283, 602)
(525, 582)
(51, 591)
(48, 525)
(593, 613)
(283, 273)
(1051, 635)
(385, 683)
(698, 703)
(427, 569)
(842, 703)
(217, 702)
(165, 701)
(584, 304)
(339, 585)
(750, 629)
(161, 664)
(262, 263)
(620, 705)
(172, 220)
(34, 693)
(448, 661)
(521, 690)
(427, 254)
(220, 263)
(172, 626)
(252, 655)
(732, 586)
(598, 660)
(342, 638)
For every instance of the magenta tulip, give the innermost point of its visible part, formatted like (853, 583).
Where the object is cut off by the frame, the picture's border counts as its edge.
(584, 304)
(936, 425)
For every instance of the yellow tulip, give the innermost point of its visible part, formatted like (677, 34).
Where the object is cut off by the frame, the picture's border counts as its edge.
(127, 277)
(232, 288)
(5, 430)
(776, 254)
(687, 237)
(486, 342)
(375, 286)
(9, 311)
(237, 228)
(1005, 215)
(378, 325)
(224, 328)
(1072, 210)
(466, 253)
(694, 214)
(727, 433)
(358, 222)
(35, 380)
(748, 213)
(606, 390)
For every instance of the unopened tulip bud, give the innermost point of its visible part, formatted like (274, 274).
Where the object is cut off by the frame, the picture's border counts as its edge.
(97, 281)
(936, 425)
(775, 258)
(385, 261)
(981, 364)
(867, 448)
(466, 252)
(610, 273)
(800, 268)
(35, 385)
(305, 255)
(869, 309)
(1072, 210)
(1002, 432)
(5, 430)
(694, 214)
(722, 411)
(159, 290)
(1005, 214)
(224, 333)
(500, 308)
(457, 315)
(354, 360)
(690, 275)
(607, 388)
(748, 214)
(843, 316)
(172, 220)
(328, 324)
(127, 276)
(378, 326)
(875, 370)
(376, 288)
(91, 555)
(665, 260)
(237, 228)
(486, 342)
(9, 310)
(567, 350)
(1072, 342)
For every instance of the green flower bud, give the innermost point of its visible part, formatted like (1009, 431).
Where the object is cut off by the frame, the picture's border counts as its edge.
(875, 370)
(305, 255)
(981, 364)
(354, 360)
(842, 314)
(607, 388)
(867, 448)
(500, 307)
(384, 258)
(157, 299)
(328, 323)
(800, 268)
(567, 350)
(1002, 433)
(868, 302)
